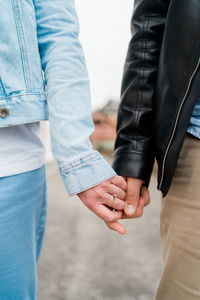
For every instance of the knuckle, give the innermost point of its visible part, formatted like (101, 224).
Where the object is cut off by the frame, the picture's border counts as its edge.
(119, 180)
(115, 181)
(98, 193)
(105, 184)
(113, 178)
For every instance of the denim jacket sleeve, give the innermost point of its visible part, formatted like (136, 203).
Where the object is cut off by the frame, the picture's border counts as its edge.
(68, 96)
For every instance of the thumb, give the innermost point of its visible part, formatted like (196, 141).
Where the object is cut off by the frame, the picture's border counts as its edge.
(132, 196)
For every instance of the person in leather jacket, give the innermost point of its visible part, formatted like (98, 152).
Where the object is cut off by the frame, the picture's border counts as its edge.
(158, 123)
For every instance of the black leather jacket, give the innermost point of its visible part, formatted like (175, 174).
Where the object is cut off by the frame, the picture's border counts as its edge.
(161, 84)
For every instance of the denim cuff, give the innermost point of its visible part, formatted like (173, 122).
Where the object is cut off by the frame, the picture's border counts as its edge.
(85, 173)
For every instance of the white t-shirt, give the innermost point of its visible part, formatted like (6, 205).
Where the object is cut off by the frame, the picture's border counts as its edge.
(21, 149)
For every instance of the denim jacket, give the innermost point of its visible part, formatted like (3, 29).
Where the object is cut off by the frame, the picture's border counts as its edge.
(43, 75)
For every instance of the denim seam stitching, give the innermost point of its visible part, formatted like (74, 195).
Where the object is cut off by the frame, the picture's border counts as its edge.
(41, 213)
(75, 163)
(22, 44)
(15, 96)
(2, 88)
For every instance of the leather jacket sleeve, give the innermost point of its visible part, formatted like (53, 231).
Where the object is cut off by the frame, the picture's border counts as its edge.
(134, 150)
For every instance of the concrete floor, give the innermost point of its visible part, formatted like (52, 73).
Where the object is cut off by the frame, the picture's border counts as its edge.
(83, 260)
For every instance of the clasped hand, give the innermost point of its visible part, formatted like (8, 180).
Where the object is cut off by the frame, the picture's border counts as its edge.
(132, 196)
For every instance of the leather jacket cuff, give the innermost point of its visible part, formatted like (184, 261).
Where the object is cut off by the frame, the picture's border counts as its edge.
(135, 165)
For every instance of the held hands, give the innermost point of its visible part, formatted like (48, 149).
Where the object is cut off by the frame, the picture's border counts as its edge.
(132, 196)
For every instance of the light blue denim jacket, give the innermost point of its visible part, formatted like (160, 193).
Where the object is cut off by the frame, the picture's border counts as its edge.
(43, 75)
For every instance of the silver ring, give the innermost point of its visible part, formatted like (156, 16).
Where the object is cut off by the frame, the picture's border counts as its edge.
(115, 196)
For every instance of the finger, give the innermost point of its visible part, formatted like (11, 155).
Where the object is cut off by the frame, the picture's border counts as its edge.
(139, 210)
(145, 195)
(133, 196)
(119, 181)
(114, 203)
(143, 201)
(117, 227)
(106, 214)
(138, 213)
(113, 189)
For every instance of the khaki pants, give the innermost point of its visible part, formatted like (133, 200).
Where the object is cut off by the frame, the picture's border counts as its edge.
(180, 228)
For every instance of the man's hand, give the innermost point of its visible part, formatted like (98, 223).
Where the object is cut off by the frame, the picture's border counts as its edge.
(136, 198)
(99, 199)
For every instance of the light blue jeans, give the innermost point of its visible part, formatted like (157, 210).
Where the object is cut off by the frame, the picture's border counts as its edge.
(23, 209)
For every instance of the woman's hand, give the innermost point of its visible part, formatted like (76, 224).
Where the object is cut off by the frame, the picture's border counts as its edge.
(99, 199)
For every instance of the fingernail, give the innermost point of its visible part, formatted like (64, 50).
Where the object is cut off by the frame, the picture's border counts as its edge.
(130, 209)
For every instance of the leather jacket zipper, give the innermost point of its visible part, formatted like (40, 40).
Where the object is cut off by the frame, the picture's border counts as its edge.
(176, 122)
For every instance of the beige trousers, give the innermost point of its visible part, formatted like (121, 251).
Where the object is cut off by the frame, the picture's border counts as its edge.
(180, 228)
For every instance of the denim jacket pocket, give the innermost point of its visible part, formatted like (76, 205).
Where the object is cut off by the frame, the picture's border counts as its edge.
(21, 70)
